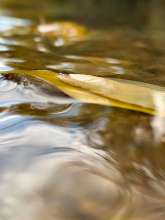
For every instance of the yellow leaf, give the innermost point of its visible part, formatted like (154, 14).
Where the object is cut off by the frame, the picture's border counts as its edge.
(126, 94)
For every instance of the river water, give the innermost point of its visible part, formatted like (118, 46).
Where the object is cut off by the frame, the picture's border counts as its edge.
(63, 159)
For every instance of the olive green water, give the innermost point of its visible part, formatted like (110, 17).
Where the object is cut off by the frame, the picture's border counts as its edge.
(61, 159)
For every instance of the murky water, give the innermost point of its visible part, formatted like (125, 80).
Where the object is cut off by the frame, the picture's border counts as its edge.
(61, 159)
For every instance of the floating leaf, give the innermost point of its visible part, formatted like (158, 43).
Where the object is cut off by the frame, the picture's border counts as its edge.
(126, 94)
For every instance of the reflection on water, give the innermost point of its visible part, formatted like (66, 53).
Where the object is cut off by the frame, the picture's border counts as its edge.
(60, 158)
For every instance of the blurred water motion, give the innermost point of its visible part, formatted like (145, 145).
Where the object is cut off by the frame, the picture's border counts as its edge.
(61, 159)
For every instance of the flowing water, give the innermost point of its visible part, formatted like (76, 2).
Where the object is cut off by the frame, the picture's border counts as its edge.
(62, 159)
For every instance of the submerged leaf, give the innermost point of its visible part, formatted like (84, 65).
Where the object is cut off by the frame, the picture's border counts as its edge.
(126, 94)
(66, 31)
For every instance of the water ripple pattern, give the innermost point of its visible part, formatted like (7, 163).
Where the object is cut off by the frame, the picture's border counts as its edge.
(62, 159)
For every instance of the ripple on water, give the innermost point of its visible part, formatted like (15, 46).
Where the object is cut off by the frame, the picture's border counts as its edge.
(61, 159)
(54, 169)
(31, 147)
(6, 86)
(16, 90)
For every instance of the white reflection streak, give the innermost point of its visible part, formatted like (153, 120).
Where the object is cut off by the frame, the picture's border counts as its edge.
(158, 123)
(3, 66)
(7, 23)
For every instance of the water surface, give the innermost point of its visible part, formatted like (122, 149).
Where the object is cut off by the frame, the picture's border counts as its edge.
(64, 159)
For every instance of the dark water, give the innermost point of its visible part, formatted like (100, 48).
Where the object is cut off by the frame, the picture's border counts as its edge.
(61, 159)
